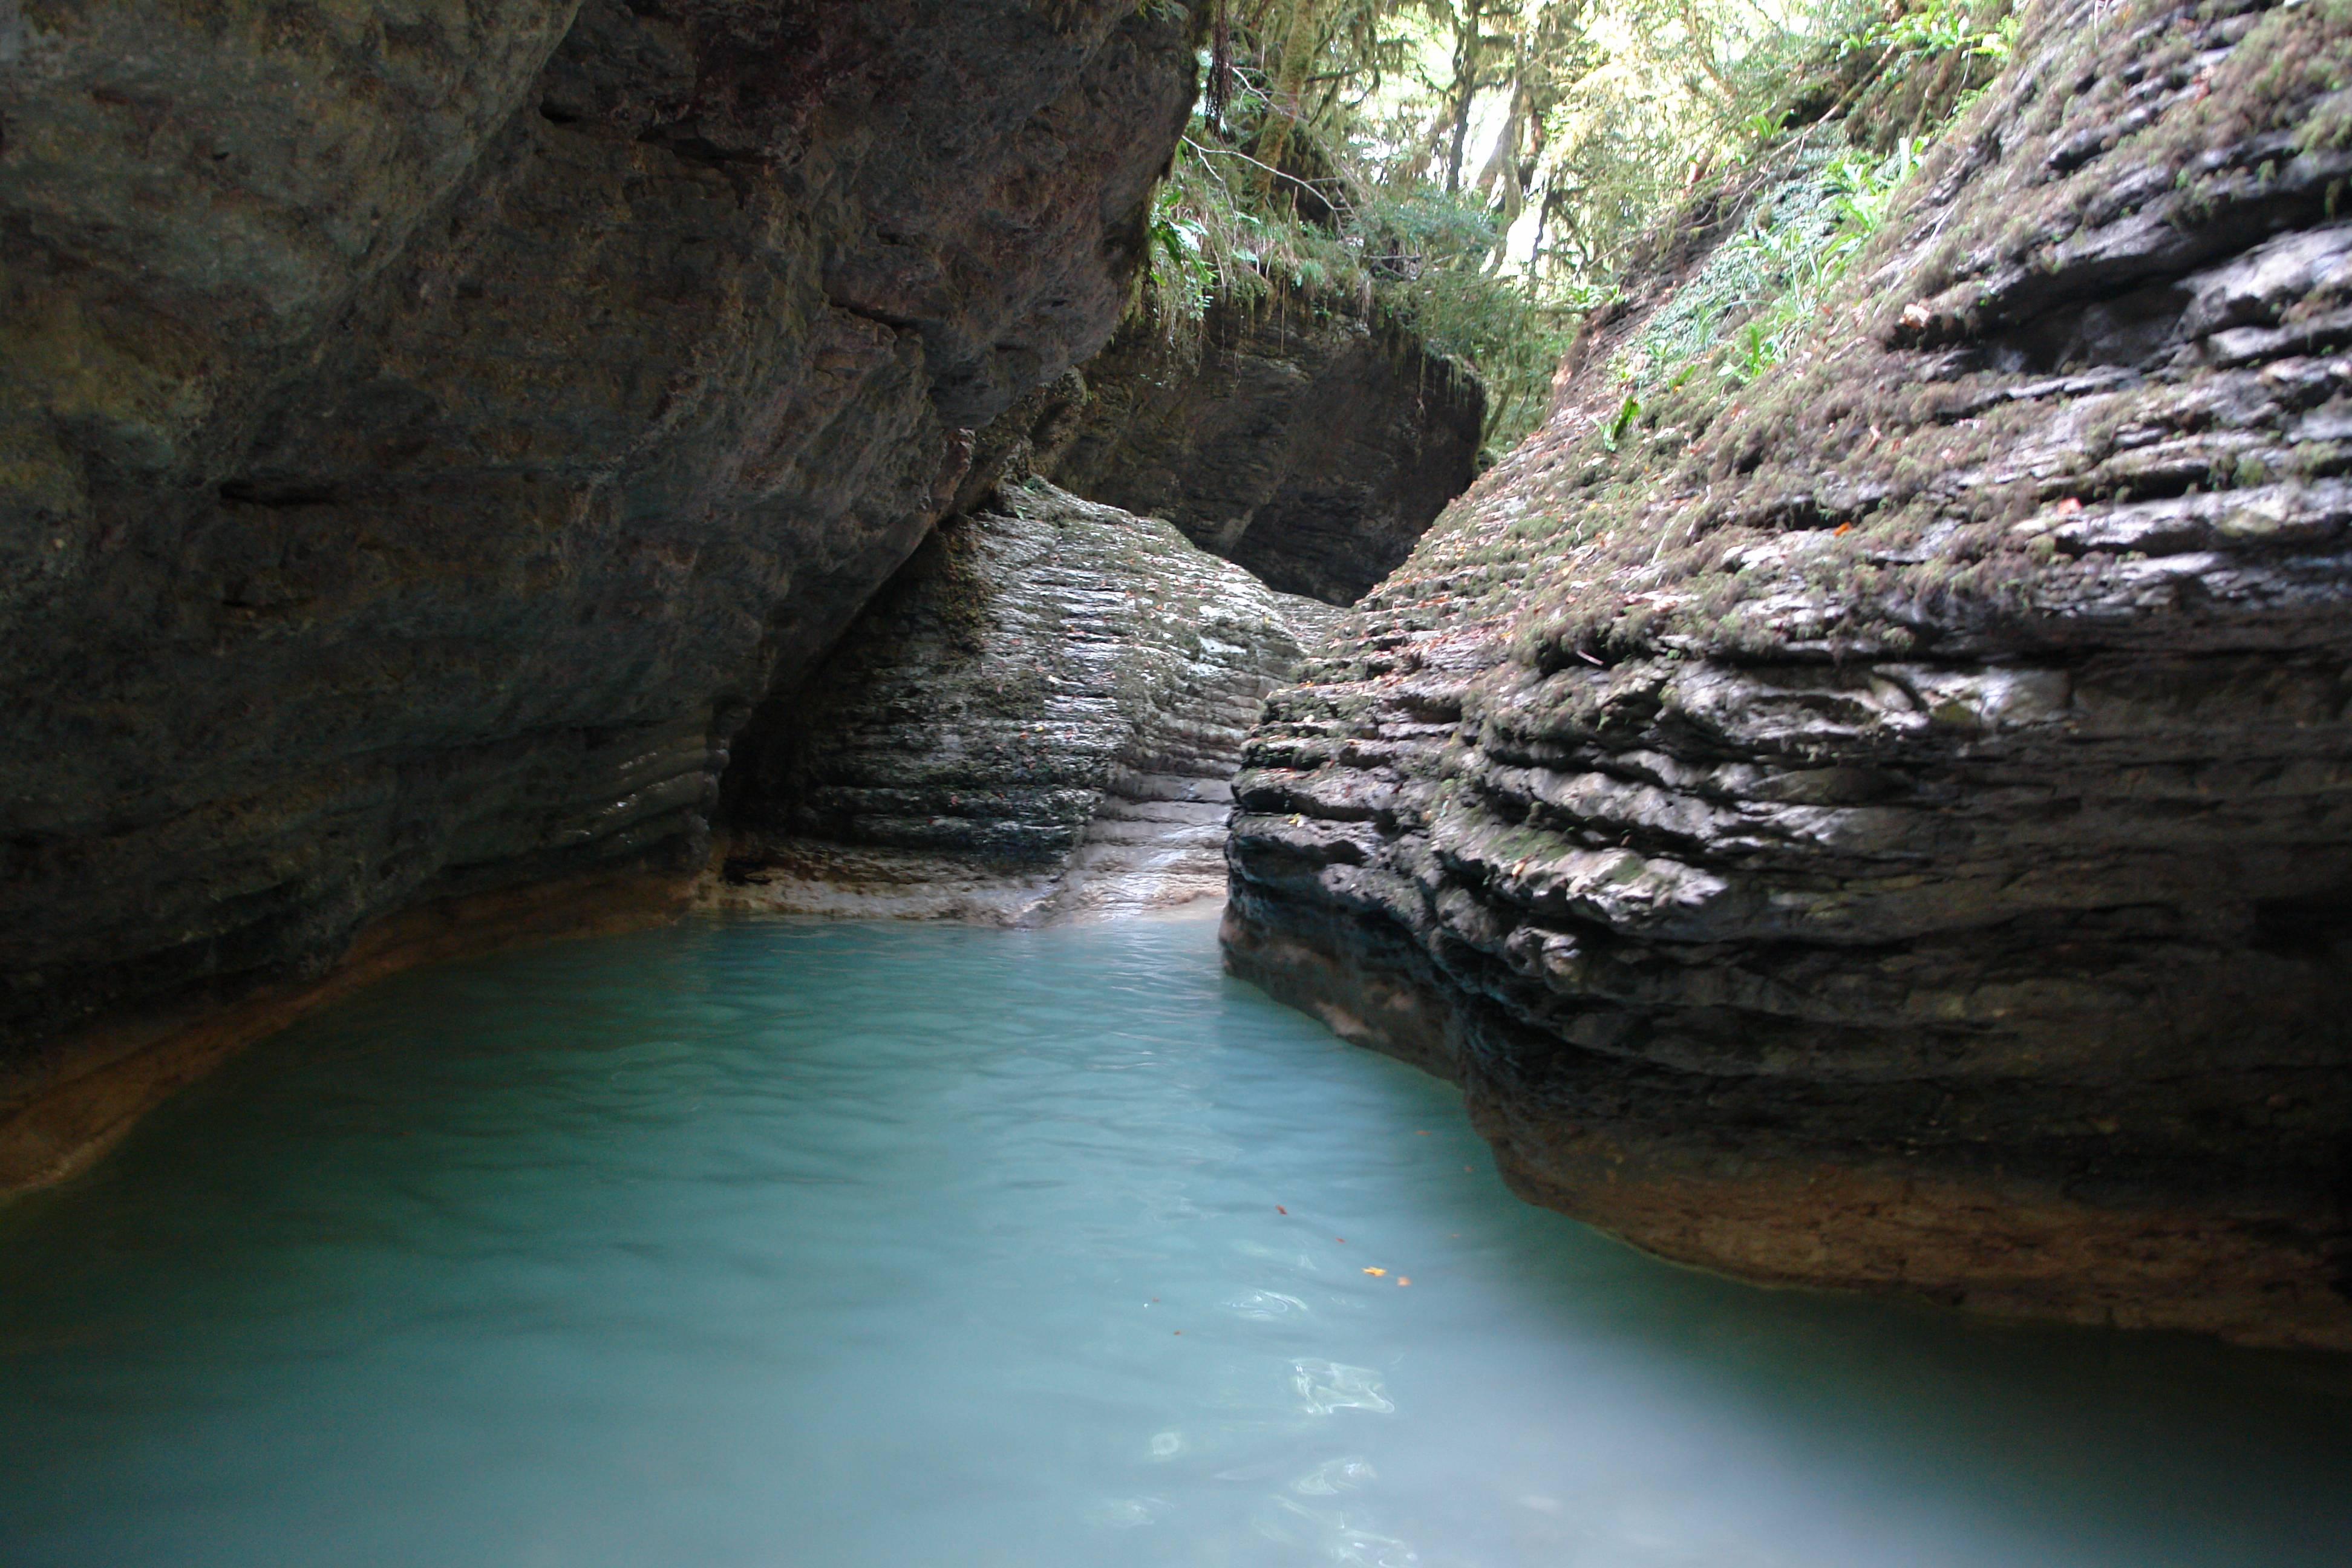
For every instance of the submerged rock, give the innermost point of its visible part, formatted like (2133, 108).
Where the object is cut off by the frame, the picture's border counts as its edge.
(1303, 437)
(1040, 717)
(422, 440)
(1886, 823)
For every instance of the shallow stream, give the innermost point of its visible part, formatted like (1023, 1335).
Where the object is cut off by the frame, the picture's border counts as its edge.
(864, 1246)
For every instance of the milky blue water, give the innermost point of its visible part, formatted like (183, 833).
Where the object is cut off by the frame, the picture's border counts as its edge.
(839, 1245)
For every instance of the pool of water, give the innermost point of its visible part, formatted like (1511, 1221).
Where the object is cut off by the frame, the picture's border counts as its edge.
(823, 1246)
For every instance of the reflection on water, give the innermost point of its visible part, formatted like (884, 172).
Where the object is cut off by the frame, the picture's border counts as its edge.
(834, 1246)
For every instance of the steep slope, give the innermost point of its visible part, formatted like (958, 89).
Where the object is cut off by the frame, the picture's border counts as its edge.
(1041, 717)
(1886, 824)
(427, 436)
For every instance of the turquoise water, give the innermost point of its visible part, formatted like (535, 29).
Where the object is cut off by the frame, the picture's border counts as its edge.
(837, 1246)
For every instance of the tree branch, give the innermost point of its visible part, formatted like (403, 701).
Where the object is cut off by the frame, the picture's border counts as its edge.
(1305, 185)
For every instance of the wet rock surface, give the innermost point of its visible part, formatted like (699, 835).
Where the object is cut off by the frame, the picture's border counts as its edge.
(1886, 826)
(1039, 717)
(1301, 436)
(422, 440)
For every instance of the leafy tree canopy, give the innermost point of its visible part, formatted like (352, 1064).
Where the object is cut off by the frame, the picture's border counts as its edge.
(1478, 169)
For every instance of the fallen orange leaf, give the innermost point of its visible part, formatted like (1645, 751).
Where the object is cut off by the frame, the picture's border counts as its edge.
(1402, 1281)
(1279, 1209)
(1376, 1271)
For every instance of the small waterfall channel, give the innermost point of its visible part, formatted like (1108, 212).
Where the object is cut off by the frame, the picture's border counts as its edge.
(760, 1242)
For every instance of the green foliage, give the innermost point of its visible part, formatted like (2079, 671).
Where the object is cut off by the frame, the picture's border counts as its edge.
(1215, 241)
(1940, 26)
(1419, 256)
(1622, 421)
(1431, 255)
(1741, 312)
(1481, 170)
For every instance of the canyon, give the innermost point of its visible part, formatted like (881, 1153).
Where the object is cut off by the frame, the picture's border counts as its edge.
(1877, 820)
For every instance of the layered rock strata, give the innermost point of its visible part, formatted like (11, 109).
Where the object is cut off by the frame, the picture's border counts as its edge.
(424, 439)
(1888, 823)
(1301, 436)
(1040, 718)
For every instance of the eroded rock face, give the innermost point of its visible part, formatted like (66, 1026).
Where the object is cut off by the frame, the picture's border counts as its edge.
(1041, 717)
(423, 439)
(1294, 436)
(1886, 825)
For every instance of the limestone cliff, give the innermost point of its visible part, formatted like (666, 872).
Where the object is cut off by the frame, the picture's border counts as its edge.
(1040, 717)
(1889, 824)
(426, 432)
(1303, 437)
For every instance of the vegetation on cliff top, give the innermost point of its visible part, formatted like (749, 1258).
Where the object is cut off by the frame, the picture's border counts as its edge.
(1484, 171)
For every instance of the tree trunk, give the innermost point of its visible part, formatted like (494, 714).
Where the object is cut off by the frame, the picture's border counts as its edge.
(1465, 89)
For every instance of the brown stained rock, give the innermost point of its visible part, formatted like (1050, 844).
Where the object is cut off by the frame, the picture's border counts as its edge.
(1886, 824)
(1299, 436)
(425, 437)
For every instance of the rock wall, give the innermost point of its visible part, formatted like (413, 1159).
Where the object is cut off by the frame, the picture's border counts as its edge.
(1889, 824)
(1297, 436)
(425, 432)
(1041, 717)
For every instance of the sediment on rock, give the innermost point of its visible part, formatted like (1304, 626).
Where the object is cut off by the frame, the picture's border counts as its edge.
(1302, 436)
(420, 448)
(1885, 824)
(1040, 718)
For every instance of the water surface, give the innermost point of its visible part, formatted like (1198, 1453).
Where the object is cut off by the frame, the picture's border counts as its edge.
(832, 1247)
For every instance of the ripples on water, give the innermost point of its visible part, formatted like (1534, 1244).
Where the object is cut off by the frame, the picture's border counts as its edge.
(831, 1246)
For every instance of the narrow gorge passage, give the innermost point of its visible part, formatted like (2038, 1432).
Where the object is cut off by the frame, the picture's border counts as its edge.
(1232, 784)
(754, 1244)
